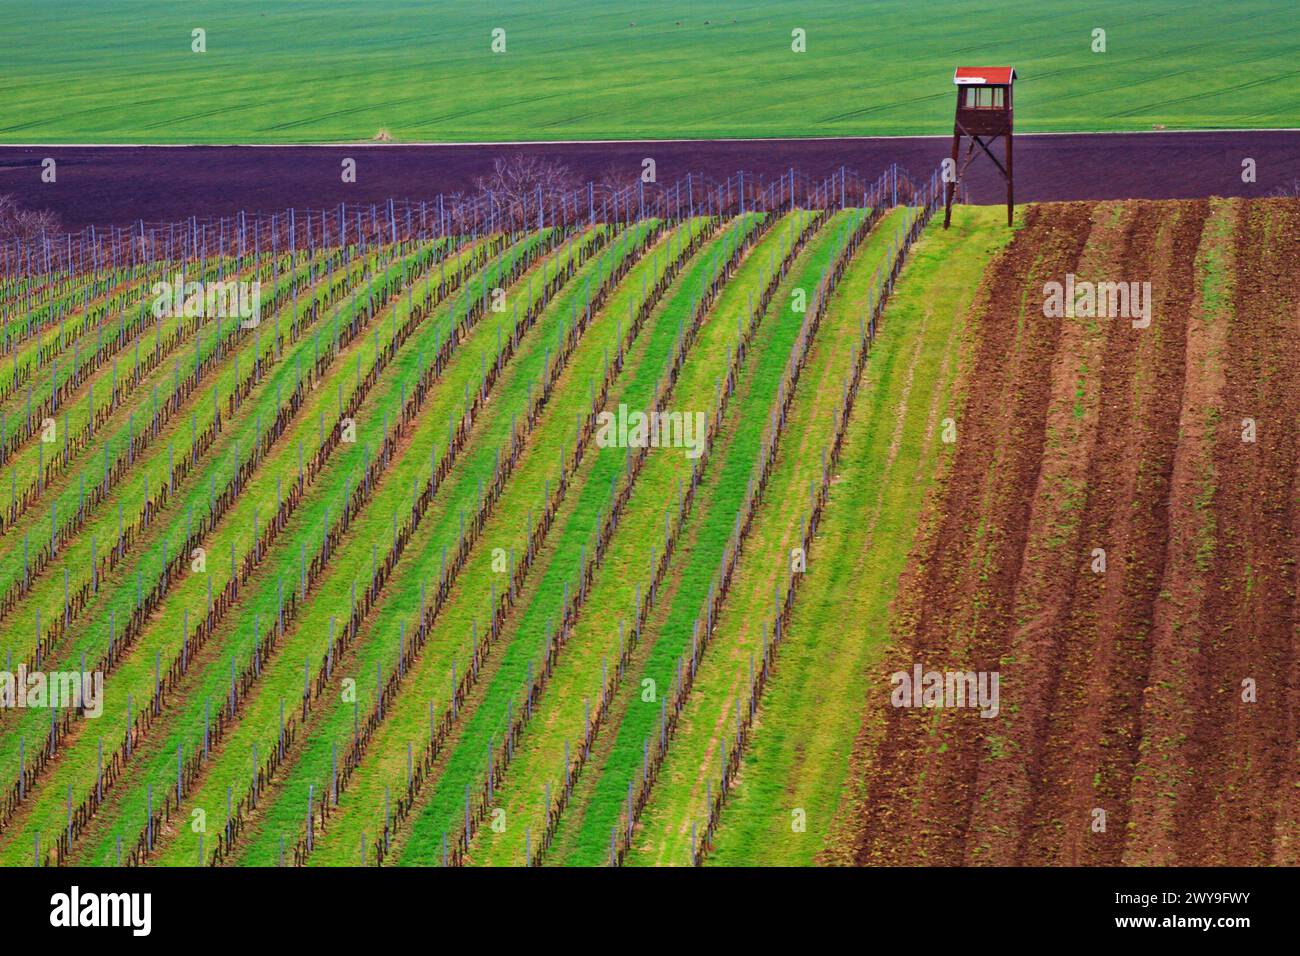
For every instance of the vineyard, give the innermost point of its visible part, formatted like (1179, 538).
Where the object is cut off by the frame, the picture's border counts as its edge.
(367, 581)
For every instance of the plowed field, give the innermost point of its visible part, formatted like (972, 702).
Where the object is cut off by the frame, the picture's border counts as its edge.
(1116, 539)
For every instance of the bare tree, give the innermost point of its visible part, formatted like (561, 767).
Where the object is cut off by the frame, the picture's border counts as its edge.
(519, 183)
(26, 225)
(615, 178)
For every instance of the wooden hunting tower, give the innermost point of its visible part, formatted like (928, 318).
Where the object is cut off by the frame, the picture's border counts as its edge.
(983, 115)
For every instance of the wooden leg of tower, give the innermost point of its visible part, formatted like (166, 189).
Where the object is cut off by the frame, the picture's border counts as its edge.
(950, 187)
(1011, 183)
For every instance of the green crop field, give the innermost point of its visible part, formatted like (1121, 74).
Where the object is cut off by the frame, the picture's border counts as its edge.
(314, 71)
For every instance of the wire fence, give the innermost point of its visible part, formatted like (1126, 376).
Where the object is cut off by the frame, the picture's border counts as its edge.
(111, 249)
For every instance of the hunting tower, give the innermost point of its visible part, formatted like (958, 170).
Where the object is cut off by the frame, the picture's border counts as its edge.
(983, 114)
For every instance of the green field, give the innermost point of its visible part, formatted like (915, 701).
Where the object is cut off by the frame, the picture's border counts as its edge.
(318, 71)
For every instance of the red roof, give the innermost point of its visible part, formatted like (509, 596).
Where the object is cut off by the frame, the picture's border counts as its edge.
(984, 75)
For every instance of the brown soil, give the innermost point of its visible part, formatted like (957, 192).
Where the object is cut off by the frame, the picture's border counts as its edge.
(1242, 751)
(1121, 691)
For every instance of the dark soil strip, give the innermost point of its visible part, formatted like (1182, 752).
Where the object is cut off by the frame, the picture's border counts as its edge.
(102, 185)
